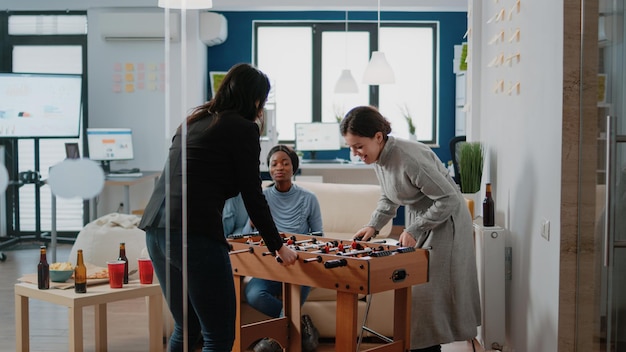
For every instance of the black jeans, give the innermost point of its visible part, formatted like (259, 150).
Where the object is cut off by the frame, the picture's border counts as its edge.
(436, 348)
(210, 289)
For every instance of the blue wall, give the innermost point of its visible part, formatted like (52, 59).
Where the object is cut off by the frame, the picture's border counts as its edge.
(452, 26)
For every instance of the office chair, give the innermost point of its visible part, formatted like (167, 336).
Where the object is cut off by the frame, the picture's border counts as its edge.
(455, 152)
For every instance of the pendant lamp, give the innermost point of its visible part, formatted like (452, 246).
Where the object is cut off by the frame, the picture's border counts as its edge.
(378, 70)
(186, 4)
(346, 82)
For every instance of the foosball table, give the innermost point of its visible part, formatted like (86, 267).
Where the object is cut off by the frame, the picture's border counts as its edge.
(351, 268)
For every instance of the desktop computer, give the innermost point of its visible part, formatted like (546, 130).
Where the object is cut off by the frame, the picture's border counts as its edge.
(318, 136)
(112, 144)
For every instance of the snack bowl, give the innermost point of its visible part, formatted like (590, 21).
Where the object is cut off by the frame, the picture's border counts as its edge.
(60, 275)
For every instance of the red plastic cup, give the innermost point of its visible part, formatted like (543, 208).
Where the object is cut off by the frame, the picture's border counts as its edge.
(116, 273)
(146, 271)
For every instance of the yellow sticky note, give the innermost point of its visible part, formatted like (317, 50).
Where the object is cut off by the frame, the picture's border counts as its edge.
(130, 67)
(130, 88)
(129, 77)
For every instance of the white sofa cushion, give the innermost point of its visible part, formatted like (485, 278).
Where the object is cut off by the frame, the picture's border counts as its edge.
(346, 208)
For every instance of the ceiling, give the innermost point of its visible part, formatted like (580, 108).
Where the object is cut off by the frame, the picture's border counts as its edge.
(251, 5)
(334, 5)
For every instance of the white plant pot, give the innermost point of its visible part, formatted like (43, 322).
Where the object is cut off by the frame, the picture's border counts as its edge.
(475, 198)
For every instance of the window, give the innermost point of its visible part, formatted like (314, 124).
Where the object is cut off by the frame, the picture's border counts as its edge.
(46, 44)
(287, 62)
(304, 60)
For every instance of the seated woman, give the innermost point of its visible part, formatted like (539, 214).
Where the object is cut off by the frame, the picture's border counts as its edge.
(295, 210)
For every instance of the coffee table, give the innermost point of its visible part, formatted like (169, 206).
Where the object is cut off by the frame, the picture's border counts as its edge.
(97, 296)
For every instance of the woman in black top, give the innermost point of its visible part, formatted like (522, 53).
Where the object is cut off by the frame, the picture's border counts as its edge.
(222, 159)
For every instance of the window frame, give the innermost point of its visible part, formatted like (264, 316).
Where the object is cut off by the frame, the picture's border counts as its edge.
(7, 43)
(318, 27)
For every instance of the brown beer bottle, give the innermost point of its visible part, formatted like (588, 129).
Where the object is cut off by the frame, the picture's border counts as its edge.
(122, 256)
(80, 274)
(43, 270)
(488, 208)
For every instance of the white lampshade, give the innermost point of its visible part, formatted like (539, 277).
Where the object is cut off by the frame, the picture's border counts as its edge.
(378, 70)
(187, 4)
(346, 83)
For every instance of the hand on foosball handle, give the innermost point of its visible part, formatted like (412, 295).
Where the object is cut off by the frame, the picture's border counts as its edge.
(280, 260)
(286, 256)
(365, 234)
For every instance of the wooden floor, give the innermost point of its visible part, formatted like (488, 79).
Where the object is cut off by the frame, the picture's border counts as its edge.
(127, 328)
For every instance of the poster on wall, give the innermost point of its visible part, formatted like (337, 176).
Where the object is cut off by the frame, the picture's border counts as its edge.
(216, 80)
(131, 77)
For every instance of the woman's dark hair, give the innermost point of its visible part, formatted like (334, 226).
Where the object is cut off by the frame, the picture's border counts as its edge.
(365, 121)
(243, 87)
(295, 161)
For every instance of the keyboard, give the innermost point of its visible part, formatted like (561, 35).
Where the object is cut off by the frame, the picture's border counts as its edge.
(324, 161)
(124, 175)
(124, 171)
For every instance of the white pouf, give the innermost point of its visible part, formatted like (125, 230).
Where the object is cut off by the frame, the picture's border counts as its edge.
(100, 240)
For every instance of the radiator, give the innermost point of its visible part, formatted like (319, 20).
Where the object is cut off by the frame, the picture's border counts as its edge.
(490, 263)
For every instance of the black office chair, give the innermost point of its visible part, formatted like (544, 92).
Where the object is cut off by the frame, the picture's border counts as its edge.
(455, 152)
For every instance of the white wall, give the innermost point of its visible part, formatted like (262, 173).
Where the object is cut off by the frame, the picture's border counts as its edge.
(144, 109)
(522, 134)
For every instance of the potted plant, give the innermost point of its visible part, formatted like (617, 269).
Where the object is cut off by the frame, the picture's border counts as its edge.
(339, 112)
(471, 173)
(471, 166)
(407, 116)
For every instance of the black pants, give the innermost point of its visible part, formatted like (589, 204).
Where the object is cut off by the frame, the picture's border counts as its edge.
(436, 348)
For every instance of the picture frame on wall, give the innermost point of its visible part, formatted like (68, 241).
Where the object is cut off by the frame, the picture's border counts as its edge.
(216, 80)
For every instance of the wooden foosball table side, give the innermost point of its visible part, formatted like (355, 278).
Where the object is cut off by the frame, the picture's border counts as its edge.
(359, 276)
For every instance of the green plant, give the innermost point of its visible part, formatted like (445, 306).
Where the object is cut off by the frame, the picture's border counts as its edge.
(471, 166)
(339, 112)
(407, 116)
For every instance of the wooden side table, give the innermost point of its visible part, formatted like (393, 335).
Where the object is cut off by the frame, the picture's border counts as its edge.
(97, 296)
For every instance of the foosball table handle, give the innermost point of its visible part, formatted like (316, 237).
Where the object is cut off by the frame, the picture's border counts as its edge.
(335, 263)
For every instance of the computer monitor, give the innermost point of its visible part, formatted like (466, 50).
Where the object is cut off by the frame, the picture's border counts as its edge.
(317, 136)
(110, 144)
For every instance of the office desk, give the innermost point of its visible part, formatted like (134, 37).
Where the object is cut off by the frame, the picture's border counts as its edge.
(359, 173)
(97, 296)
(126, 182)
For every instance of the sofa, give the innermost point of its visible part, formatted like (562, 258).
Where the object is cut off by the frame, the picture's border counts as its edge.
(345, 209)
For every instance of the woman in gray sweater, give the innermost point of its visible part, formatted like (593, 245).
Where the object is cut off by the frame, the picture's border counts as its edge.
(447, 307)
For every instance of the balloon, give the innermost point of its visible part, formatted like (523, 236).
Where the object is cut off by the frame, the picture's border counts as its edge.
(73, 178)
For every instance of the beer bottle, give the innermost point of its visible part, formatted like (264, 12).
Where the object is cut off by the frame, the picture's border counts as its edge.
(122, 256)
(43, 270)
(80, 274)
(488, 208)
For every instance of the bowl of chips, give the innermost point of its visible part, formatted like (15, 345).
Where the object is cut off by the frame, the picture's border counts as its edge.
(61, 272)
